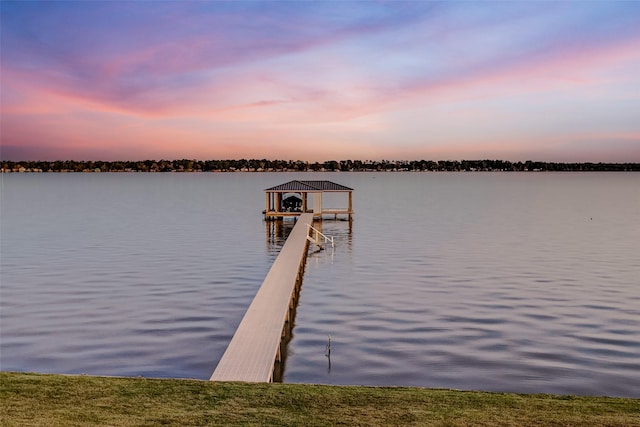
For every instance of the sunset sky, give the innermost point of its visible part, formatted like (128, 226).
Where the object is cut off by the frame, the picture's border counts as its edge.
(314, 81)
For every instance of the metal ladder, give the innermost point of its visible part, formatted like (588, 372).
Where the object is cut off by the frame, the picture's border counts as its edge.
(316, 237)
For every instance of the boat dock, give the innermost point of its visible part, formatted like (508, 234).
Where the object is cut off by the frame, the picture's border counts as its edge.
(257, 344)
(296, 197)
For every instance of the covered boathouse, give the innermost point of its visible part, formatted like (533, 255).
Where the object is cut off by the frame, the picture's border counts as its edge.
(296, 197)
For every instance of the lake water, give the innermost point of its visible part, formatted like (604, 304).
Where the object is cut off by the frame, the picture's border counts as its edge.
(524, 282)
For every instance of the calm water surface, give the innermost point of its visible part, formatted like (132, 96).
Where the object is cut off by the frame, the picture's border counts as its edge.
(505, 282)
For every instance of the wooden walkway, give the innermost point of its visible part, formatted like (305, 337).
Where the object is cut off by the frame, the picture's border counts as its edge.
(255, 347)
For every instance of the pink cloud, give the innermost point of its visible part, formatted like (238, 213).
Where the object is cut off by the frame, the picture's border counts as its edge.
(558, 70)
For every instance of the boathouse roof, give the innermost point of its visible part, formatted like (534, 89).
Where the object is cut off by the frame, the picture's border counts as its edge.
(308, 186)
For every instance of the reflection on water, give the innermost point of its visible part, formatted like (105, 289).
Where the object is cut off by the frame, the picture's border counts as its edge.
(506, 282)
(277, 233)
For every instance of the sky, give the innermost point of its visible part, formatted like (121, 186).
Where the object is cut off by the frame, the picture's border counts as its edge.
(325, 80)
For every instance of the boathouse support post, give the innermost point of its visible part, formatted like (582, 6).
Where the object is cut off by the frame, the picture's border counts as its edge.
(317, 204)
(350, 201)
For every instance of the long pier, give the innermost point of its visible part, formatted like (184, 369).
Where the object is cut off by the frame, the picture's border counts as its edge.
(257, 345)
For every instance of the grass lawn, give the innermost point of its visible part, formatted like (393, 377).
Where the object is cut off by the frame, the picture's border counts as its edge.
(57, 400)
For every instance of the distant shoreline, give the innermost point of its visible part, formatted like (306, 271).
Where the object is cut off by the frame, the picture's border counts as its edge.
(27, 171)
(263, 165)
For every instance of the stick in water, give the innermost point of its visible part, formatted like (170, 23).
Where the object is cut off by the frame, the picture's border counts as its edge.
(328, 351)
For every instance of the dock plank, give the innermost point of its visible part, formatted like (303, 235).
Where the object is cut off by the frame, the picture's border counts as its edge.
(251, 354)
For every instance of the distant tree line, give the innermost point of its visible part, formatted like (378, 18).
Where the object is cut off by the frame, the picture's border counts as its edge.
(264, 165)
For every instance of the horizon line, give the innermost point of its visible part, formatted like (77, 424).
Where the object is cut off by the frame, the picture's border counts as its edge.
(320, 162)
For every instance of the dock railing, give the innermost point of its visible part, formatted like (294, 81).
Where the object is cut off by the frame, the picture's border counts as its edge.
(316, 237)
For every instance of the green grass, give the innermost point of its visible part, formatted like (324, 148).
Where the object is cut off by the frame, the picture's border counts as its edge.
(56, 400)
